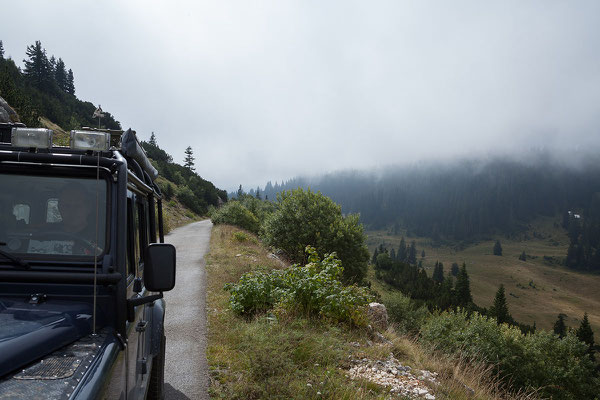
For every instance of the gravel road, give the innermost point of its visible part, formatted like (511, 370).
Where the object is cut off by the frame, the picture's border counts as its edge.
(186, 369)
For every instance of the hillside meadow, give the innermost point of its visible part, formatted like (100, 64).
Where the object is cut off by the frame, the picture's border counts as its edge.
(281, 355)
(537, 290)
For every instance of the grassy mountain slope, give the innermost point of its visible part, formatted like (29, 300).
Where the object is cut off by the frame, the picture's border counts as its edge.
(537, 289)
(307, 358)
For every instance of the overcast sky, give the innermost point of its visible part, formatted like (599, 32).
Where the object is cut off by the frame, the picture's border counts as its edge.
(268, 90)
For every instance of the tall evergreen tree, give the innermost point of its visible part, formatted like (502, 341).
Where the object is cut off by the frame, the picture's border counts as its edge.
(37, 67)
(462, 289)
(240, 192)
(586, 335)
(438, 272)
(375, 254)
(422, 253)
(188, 162)
(1, 50)
(393, 254)
(412, 253)
(559, 326)
(454, 269)
(52, 65)
(523, 256)
(497, 248)
(499, 309)
(152, 139)
(60, 75)
(402, 254)
(70, 82)
(258, 193)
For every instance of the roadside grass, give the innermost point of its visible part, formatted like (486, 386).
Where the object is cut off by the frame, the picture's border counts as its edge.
(537, 290)
(283, 356)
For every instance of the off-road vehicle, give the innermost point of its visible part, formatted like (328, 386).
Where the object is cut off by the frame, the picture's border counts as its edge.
(83, 265)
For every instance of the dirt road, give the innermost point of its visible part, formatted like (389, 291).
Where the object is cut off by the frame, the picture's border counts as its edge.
(186, 370)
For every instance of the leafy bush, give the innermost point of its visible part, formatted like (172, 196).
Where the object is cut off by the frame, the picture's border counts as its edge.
(240, 236)
(560, 368)
(191, 201)
(166, 188)
(314, 289)
(304, 218)
(234, 213)
(405, 314)
(261, 209)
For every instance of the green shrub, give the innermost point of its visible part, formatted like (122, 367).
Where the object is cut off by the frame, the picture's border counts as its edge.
(314, 289)
(234, 213)
(261, 209)
(166, 188)
(191, 201)
(559, 368)
(240, 236)
(304, 218)
(405, 314)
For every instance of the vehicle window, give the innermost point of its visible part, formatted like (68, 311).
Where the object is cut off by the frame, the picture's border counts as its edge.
(52, 215)
(141, 243)
(21, 212)
(131, 233)
(52, 212)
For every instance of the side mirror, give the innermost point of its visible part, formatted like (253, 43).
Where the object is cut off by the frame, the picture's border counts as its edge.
(159, 267)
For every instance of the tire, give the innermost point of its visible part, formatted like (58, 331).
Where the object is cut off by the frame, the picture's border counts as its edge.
(156, 386)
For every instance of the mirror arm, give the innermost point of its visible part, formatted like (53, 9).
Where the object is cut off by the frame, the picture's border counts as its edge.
(138, 301)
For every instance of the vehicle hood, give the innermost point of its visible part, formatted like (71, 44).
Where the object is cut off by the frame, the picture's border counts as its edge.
(31, 331)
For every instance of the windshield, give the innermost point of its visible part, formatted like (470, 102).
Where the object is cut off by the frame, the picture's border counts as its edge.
(49, 215)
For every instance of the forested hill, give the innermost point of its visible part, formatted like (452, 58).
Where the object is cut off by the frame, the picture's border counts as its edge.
(461, 200)
(44, 93)
(46, 88)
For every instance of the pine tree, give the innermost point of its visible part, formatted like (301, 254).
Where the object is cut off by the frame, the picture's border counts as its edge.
(393, 254)
(412, 253)
(500, 309)
(462, 288)
(497, 248)
(559, 326)
(52, 65)
(258, 193)
(422, 253)
(240, 192)
(375, 254)
(188, 162)
(37, 67)
(70, 83)
(523, 256)
(454, 269)
(586, 335)
(438, 272)
(402, 254)
(60, 75)
(1, 50)
(153, 139)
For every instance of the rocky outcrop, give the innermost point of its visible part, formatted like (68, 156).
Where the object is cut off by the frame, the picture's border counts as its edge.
(7, 114)
(378, 316)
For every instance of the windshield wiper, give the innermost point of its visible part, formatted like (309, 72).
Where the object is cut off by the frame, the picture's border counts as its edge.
(16, 260)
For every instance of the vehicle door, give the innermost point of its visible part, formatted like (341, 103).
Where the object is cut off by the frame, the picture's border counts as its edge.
(138, 331)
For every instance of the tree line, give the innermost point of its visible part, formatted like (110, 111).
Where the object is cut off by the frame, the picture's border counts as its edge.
(466, 201)
(457, 201)
(46, 88)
